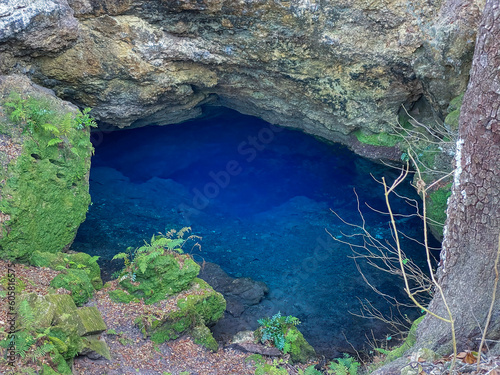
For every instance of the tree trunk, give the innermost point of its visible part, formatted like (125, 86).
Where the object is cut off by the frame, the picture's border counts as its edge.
(472, 229)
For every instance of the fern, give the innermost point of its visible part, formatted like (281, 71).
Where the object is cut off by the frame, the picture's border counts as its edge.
(344, 366)
(54, 141)
(50, 128)
(22, 343)
(41, 351)
(26, 315)
(277, 330)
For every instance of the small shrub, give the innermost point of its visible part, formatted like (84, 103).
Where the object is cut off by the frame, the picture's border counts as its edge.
(275, 330)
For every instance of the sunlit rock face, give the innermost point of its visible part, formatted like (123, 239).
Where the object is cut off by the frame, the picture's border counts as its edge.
(329, 67)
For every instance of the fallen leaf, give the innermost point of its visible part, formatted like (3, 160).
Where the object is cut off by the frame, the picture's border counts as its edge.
(470, 359)
(461, 355)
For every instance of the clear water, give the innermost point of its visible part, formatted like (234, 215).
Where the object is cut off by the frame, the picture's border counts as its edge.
(261, 198)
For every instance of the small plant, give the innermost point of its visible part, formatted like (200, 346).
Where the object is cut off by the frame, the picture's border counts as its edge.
(344, 366)
(277, 330)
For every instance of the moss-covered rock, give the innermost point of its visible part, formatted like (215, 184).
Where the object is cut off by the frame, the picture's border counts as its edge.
(165, 275)
(202, 336)
(43, 174)
(300, 350)
(81, 261)
(199, 306)
(91, 321)
(76, 281)
(97, 347)
(377, 139)
(63, 325)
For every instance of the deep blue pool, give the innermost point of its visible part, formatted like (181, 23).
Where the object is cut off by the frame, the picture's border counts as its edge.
(261, 198)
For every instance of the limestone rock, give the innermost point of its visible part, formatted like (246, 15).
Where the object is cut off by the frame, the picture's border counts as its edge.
(329, 68)
(44, 187)
(36, 26)
(92, 322)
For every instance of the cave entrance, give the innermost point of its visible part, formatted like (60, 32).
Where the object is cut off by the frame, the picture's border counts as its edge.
(260, 197)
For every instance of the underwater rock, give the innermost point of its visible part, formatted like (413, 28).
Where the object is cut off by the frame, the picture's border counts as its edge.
(239, 293)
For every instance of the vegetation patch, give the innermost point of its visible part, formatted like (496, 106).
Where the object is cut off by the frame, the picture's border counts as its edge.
(44, 189)
(158, 269)
(381, 139)
(194, 309)
(51, 331)
(281, 332)
(64, 261)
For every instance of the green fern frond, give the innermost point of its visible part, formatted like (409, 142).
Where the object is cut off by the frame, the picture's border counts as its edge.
(120, 256)
(27, 317)
(41, 351)
(54, 141)
(50, 128)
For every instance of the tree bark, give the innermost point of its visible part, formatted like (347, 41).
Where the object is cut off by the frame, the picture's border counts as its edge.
(472, 229)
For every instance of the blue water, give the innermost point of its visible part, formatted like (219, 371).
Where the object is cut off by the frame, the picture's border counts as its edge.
(260, 196)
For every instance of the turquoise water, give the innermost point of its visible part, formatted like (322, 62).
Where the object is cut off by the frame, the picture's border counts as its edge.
(261, 197)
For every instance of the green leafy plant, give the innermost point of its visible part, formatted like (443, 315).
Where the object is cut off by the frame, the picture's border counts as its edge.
(277, 330)
(41, 120)
(344, 366)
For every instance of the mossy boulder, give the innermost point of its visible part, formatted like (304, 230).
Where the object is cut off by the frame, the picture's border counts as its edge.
(203, 336)
(300, 350)
(69, 329)
(76, 281)
(43, 170)
(165, 275)
(80, 261)
(195, 308)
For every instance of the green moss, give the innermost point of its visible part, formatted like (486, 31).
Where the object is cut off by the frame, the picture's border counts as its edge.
(382, 139)
(61, 364)
(76, 281)
(165, 275)
(91, 321)
(454, 113)
(80, 261)
(62, 324)
(202, 336)
(98, 346)
(204, 307)
(300, 350)
(410, 341)
(45, 190)
(121, 296)
(437, 202)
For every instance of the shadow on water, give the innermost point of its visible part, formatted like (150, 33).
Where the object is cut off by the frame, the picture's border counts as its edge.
(260, 196)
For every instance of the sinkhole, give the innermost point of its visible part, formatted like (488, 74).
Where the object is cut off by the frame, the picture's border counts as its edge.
(261, 197)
